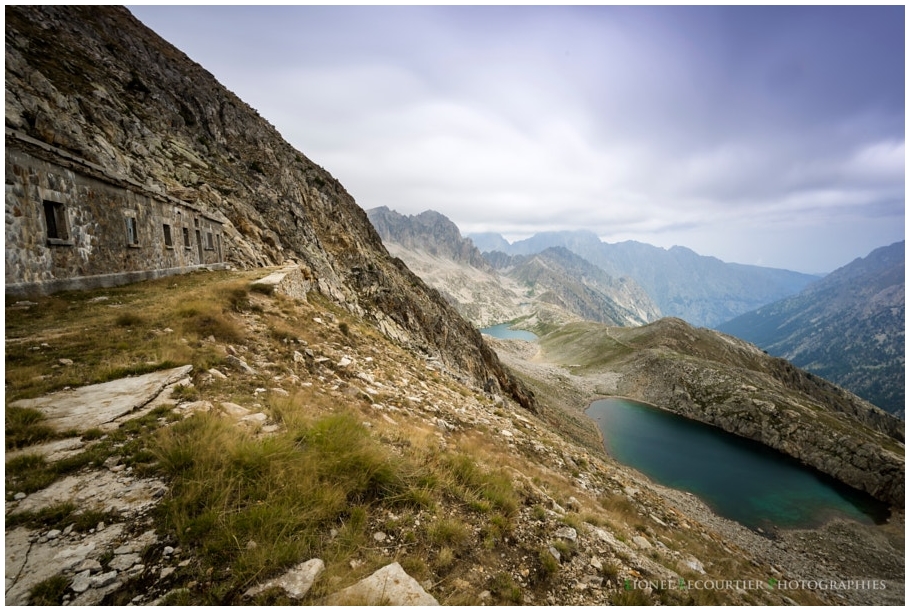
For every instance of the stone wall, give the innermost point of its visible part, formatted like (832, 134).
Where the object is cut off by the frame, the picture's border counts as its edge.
(69, 225)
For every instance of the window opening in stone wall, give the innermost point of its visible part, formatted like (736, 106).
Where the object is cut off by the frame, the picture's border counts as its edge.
(167, 236)
(209, 243)
(55, 218)
(186, 238)
(132, 233)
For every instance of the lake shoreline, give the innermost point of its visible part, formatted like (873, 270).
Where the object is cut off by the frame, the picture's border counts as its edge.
(739, 478)
(836, 550)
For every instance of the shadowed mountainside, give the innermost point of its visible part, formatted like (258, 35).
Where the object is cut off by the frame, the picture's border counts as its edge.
(847, 328)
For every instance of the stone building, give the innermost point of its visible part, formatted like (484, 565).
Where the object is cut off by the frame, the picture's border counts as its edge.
(71, 224)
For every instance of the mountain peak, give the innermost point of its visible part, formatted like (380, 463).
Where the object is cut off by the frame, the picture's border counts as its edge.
(429, 231)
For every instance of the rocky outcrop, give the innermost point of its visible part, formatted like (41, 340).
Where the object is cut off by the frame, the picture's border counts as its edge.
(795, 424)
(390, 585)
(429, 231)
(97, 83)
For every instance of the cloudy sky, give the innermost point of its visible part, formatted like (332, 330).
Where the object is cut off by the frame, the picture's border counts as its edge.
(763, 135)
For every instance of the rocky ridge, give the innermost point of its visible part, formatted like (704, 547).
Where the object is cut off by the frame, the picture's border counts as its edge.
(551, 287)
(702, 290)
(98, 84)
(562, 278)
(720, 380)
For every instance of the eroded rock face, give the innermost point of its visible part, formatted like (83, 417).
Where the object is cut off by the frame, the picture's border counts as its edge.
(98, 84)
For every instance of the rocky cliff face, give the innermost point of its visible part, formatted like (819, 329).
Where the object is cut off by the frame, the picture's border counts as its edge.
(428, 231)
(726, 382)
(97, 83)
(847, 327)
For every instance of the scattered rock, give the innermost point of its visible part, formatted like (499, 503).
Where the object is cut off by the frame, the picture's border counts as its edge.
(296, 582)
(81, 582)
(695, 564)
(641, 542)
(389, 585)
(234, 410)
(568, 533)
(239, 364)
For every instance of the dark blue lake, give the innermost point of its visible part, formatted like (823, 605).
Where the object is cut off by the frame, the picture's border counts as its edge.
(738, 478)
(504, 332)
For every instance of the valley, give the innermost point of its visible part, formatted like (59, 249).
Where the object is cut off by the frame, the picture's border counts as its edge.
(313, 414)
(567, 390)
(486, 502)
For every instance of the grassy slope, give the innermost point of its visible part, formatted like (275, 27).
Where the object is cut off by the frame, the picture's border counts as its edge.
(343, 463)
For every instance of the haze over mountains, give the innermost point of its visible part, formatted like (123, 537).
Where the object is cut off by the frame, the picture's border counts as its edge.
(551, 287)
(704, 291)
(848, 328)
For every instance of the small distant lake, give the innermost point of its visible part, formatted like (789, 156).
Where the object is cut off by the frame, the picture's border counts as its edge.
(504, 331)
(740, 479)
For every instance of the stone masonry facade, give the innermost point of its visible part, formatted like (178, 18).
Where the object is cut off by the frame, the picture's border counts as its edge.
(72, 225)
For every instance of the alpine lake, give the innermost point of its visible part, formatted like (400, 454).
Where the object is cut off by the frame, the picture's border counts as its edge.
(739, 479)
(504, 331)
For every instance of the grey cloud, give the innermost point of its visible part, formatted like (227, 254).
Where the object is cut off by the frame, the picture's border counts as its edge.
(650, 123)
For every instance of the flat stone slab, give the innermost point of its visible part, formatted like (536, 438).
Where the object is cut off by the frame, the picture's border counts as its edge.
(91, 406)
(52, 451)
(289, 280)
(390, 585)
(296, 582)
(98, 490)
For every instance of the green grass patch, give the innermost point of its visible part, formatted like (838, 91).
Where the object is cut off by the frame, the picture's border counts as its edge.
(25, 426)
(50, 591)
(259, 505)
(482, 490)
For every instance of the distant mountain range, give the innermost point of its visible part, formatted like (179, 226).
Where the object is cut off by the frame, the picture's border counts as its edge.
(847, 327)
(550, 287)
(702, 290)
